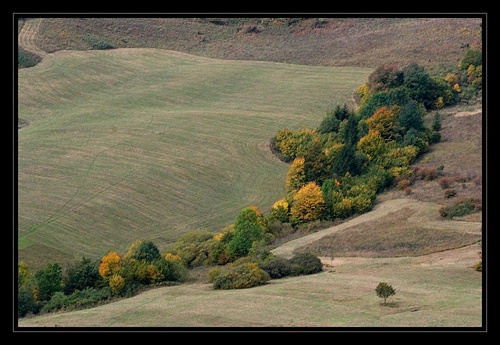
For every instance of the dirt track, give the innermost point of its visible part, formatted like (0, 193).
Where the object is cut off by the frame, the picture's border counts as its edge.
(27, 36)
(425, 215)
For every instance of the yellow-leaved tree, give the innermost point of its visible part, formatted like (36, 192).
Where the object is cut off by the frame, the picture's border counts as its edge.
(296, 176)
(308, 203)
(383, 121)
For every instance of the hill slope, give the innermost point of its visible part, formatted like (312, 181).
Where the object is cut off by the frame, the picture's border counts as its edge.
(150, 144)
(364, 42)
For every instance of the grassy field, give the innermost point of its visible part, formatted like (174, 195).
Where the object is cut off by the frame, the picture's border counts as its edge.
(150, 144)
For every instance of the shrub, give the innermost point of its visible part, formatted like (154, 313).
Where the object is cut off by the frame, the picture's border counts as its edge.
(190, 246)
(26, 303)
(461, 208)
(86, 298)
(27, 59)
(305, 263)
(277, 267)
(170, 271)
(479, 266)
(449, 193)
(403, 184)
(446, 182)
(426, 174)
(116, 283)
(241, 277)
(97, 43)
(213, 273)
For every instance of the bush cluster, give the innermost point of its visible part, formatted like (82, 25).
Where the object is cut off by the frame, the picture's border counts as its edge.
(243, 274)
(461, 208)
(26, 59)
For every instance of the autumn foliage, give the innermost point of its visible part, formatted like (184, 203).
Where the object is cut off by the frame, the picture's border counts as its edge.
(308, 203)
(110, 264)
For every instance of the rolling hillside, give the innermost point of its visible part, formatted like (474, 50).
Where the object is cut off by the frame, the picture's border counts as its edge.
(145, 143)
(149, 144)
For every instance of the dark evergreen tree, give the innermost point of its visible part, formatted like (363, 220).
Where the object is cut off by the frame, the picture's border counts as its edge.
(411, 116)
(48, 281)
(419, 83)
(332, 120)
(81, 275)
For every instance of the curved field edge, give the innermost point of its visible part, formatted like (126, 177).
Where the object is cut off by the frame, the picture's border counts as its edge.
(149, 144)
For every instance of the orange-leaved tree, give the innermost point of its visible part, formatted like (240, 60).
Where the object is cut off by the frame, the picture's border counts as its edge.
(110, 264)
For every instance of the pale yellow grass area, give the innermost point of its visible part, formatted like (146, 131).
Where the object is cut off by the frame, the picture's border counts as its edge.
(469, 113)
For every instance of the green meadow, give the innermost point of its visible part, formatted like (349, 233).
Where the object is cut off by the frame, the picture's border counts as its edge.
(149, 144)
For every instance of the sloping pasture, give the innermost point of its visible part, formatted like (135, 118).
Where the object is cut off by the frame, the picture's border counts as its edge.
(148, 144)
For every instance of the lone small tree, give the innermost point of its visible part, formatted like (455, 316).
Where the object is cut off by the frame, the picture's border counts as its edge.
(384, 291)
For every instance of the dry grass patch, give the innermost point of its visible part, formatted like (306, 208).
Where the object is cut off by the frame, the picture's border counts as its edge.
(390, 236)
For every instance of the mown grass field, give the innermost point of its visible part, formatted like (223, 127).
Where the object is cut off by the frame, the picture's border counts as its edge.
(145, 144)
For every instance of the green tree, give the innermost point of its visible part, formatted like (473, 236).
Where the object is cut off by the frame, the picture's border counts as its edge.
(331, 195)
(316, 164)
(48, 281)
(81, 275)
(411, 116)
(26, 303)
(471, 57)
(397, 96)
(419, 84)
(346, 160)
(436, 122)
(384, 291)
(247, 229)
(332, 120)
(146, 251)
